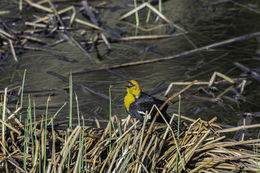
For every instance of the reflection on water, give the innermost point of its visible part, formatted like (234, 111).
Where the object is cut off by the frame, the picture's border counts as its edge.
(205, 25)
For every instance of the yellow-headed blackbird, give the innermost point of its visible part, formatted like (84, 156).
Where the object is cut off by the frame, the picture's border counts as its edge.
(137, 103)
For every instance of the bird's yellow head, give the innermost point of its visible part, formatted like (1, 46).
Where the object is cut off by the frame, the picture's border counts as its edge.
(133, 88)
(133, 92)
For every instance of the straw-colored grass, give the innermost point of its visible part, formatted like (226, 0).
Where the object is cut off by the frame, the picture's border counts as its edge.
(128, 148)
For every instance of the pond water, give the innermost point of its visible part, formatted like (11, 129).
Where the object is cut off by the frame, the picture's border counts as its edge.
(205, 24)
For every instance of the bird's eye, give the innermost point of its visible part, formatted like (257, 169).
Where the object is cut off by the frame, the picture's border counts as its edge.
(130, 85)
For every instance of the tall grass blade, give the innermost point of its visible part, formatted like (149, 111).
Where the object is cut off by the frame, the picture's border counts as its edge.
(84, 164)
(136, 14)
(41, 144)
(110, 115)
(80, 152)
(70, 121)
(148, 14)
(71, 99)
(45, 135)
(34, 119)
(178, 133)
(31, 132)
(21, 100)
(57, 112)
(160, 6)
(77, 104)
(25, 150)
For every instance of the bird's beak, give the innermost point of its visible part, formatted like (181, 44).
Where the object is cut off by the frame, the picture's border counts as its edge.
(129, 84)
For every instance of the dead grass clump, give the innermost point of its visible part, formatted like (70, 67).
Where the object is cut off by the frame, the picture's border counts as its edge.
(129, 148)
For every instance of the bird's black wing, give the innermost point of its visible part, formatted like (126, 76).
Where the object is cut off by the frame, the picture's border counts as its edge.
(145, 103)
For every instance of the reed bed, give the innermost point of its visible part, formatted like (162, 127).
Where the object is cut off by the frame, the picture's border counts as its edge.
(30, 145)
(39, 146)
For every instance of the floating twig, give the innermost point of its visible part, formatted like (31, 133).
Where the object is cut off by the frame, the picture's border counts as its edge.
(12, 50)
(253, 74)
(146, 4)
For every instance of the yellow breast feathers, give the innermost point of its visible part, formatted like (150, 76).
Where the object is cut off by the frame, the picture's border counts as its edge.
(133, 92)
(129, 98)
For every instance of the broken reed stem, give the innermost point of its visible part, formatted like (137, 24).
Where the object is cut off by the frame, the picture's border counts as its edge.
(12, 50)
(7, 35)
(146, 4)
(9, 126)
(148, 37)
(193, 120)
(243, 127)
(39, 6)
(229, 144)
(72, 8)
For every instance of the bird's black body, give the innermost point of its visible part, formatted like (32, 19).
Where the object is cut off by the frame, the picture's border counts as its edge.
(145, 103)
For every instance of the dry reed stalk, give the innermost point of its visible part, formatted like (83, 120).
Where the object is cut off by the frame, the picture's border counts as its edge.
(215, 74)
(146, 4)
(13, 114)
(3, 12)
(117, 149)
(148, 37)
(69, 140)
(67, 148)
(12, 50)
(9, 126)
(9, 36)
(3, 143)
(140, 149)
(190, 153)
(229, 144)
(97, 122)
(188, 135)
(215, 140)
(35, 25)
(33, 39)
(73, 18)
(78, 160)
(199, 83)
(104, 38)
(88, 24)
(16, 164)
(151, 28)
(192, 120)
(134, 149)
(38, 6)
(243, 127)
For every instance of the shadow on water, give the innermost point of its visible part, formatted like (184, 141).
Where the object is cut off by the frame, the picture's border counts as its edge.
(47, 71)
